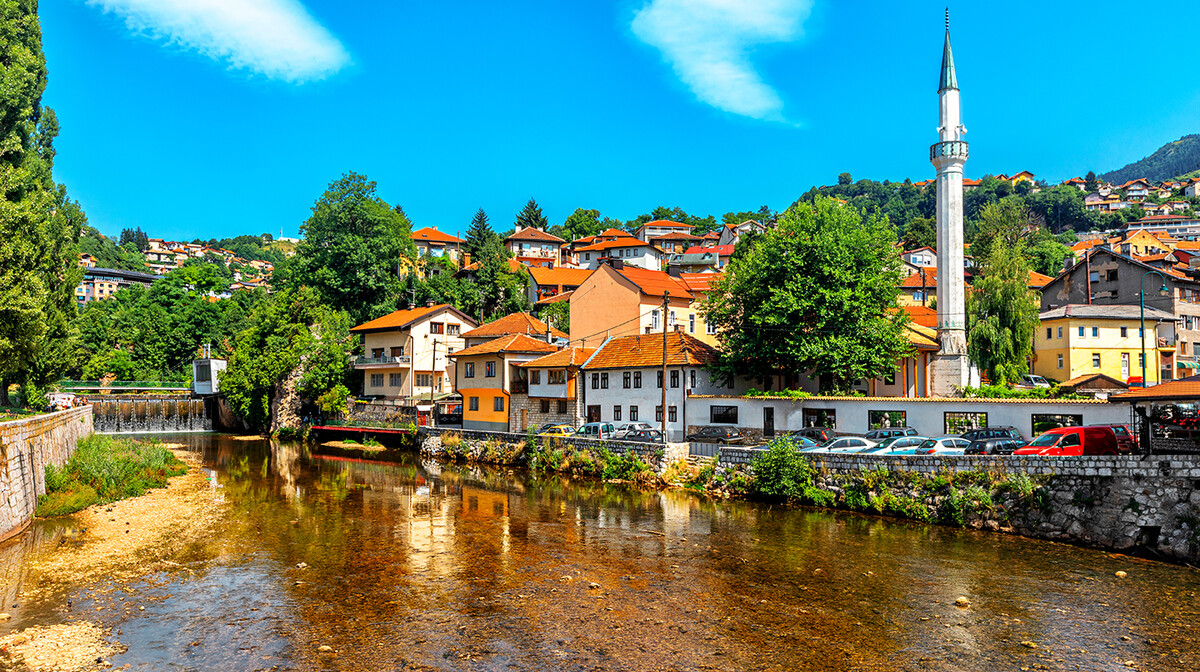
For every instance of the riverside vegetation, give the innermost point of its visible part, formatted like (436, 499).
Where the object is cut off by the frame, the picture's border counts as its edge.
(104, 469)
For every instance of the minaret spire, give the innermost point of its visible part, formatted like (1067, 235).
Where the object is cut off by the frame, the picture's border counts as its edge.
(949, 79)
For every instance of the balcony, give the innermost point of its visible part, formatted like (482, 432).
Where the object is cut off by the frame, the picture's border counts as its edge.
(364, 362)
(520, 387)
(954, 148)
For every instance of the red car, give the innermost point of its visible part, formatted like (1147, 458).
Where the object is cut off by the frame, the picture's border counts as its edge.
(1063, 441)
(1127, 441)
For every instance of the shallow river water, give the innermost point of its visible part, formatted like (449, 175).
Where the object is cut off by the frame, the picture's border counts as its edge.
(423, 566)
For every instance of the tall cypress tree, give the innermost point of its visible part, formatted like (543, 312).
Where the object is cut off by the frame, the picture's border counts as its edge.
(39, 226)
(531, 216)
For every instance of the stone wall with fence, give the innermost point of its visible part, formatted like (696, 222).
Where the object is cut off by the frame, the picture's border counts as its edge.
(474, 443)
(526, 411)
(26, 447)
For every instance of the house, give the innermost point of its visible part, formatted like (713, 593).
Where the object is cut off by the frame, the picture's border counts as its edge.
(1176, 226)
(922, 257)
(101, 283)
(433, 243)
(918, 288)
(1106, 278)
(1095, 385)
(732, 233)
(629, 251)
(700, 284)
(1136, 190)
(676, 242)
(514, 323)
(625, 382)
(619, 300)
(487, 374)
(659, 228)
(534, 247)
(1023, 176)
(1077, 182)
(723, 253)
(548, 282)
(553, 391)
(1079, 339)
(406, 352)
(87, 261)
(1192, 190)
(708, 261)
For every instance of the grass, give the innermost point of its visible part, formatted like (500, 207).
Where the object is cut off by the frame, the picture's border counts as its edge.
(14, 412)
(105, 469)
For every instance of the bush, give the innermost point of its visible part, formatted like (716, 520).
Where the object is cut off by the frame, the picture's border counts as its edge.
(782, 471)
(104, 469)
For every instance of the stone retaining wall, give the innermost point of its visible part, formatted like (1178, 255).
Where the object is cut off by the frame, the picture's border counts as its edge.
(26, 447)
(475, 442)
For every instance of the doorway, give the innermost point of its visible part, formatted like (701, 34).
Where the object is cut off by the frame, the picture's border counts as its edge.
(768, 421)
(593, 414)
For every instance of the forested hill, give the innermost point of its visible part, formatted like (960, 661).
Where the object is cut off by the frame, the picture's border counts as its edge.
(1171, 160)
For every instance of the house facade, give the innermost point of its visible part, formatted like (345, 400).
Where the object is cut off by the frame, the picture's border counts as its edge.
(626, 301)
(534, 247)
(659, 228)
(545, 283)
(552, 391)
(488, 374)
(1080, 340)
(405, 352)
(433, 243)
(629, 251)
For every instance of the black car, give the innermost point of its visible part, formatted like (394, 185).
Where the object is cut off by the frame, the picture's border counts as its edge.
(994, 446)
(815, 434)
(644, 436)
(717, 435)
(993, 433)
(889, 432)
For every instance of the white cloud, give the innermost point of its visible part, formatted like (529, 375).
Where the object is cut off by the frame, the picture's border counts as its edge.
(707, 42)
(275, 38)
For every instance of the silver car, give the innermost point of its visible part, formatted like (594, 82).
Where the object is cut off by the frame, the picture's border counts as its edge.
(625, 428)
(842, 444)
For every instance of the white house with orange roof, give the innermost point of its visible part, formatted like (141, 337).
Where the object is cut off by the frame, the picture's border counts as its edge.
(661, 227)
(534, 247)
(1136, 190)
(629, 251)
(1192, 190)
(922, 257)
(405, 352)
(675, 242)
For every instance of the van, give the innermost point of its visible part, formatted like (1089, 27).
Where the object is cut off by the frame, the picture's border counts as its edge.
(596, 430)
(1064, 441)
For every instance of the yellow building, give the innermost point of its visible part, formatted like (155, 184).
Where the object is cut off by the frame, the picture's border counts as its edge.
(1075, 340)
(486, 375)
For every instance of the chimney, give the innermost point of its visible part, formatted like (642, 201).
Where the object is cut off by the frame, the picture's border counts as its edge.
(1069, 262)
(429, 303)
(466, 258)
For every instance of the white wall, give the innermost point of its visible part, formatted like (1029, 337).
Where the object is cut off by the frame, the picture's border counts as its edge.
(649, 396)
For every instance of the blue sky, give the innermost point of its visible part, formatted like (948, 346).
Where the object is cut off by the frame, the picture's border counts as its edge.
(211, 118)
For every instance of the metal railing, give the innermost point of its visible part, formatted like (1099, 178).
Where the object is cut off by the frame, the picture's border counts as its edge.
(124, 384)
(368, 361)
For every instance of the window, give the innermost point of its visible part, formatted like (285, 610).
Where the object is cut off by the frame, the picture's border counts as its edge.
(562, 406)
(1112, 275)
(423, 379)
(1043, 421)
(658, 379)
(498, 404)
(556, 377)
(1060, 361)
(394, 379)
(1069, 440)
(723, 414)
(437, 328)
(654, 317)
(452, 329)
(604, 381)
(397, 351)
(672, 414)
(692, 378)
(637, 380)
(1124, 332)
(1060, 332)
(1048, 332)
(710, 328)
(885, 419)
(1095, 332)
(617, 412)
(674, 378)
(1095, 360)
(627, 380)
(376, 380)
(535, 376)
(489, 369)
(671, 319)
(1094, 276)
(692, 323)
(376, 353)
(1081, 332)
(469, 370)
(545, 405)
(595, 381)
(1141, 360)
(958, 422)
(473, 403)
(658, 414)
(633, 413)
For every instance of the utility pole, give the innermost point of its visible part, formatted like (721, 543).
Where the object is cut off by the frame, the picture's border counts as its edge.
(432, 372)
(666, 304)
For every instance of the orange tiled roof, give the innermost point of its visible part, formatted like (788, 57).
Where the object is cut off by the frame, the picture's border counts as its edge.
(1176, 389)
(559, 276)
(509, 343)
(699, 282)
(719, 250)
(1147, 258)
(914, 280)
(921, 337)
(565, 296)
(644, 350)
(530, 233)
(514, 266)
(921, 315)
(667, 222)
(1188, 245)
(613, 232)
(566, 357)
(400, 318)
(434, 236)
(611, 244)
(712, 235)
(1037, 280)
(677, 235)
(516, 323)
(655, 283)
(1086, 245)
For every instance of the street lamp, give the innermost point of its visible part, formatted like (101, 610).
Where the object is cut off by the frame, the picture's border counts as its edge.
(1142, 297)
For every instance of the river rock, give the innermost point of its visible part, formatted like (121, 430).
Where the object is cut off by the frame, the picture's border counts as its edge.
(962, 603)
(5, 617)
(325, 648)
(1120, 574)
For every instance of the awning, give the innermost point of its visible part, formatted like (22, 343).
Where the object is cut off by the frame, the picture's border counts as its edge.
(1187, 365)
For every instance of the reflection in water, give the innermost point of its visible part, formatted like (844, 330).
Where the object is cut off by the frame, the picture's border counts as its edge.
(444, 567)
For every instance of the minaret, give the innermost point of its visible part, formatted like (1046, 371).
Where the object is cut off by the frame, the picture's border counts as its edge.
(950, 367)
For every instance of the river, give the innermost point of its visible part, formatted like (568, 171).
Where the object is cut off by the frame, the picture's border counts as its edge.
(429, 567)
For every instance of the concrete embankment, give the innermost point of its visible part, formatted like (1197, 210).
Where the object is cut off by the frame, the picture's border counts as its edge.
(26, 447)
(508, 448)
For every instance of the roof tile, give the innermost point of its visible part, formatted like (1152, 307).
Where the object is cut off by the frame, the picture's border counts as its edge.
(563, 358)
(645, 350)
(516, 323)
(509, 343)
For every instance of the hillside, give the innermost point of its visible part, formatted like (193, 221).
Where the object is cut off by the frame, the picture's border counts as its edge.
(1172, 159)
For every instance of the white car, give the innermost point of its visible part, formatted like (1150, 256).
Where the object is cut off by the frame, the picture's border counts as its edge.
(896, 445)
(946, 445)
(627, 427)
(1030, 381)
(843, 444)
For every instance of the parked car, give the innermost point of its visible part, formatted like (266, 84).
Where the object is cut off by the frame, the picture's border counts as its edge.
(717, 435)
(896, 445)
(1063, 441)
(944, 445)
(645, 436)
(557, 430)
(1030, 381)
(993, 433)
(816, 434)
(625, 428)
(596, 430)
(844, 444)
(1127, 441)
(889, 432)
(994, 446)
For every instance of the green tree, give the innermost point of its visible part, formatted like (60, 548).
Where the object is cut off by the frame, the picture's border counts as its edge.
(479, 234)
(579, 224)
(920, 232)
(1090, 183)
(531, 216)
(355, 250)
(763, 215)
(39, 226)
(845, 179)
(557, 315)
(816, 293)
(1003, 311)
(137, 237)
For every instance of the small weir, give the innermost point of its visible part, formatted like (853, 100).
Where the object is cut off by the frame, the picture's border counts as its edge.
(157, 414)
